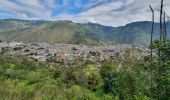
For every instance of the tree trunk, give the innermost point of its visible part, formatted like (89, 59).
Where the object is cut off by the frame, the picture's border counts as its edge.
(153, 20)
(161, 26)
(165, 31)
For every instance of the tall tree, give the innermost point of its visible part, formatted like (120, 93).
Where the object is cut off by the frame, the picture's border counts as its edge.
(165, 30)
(153, 15)
(151, 42)
(161, 26)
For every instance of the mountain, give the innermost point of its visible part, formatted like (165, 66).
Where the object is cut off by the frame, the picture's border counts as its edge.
(14, 24)
(137, 33)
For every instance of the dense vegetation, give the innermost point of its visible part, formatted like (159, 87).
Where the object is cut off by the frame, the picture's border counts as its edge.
(24, 79)
(137, 33)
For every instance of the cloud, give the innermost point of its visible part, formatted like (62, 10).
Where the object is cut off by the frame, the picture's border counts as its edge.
(106, 12)
(118, 12)
(29, 9)
(90, 3)
(103, 9)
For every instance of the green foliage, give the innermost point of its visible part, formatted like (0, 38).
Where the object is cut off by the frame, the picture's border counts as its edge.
(108, 67)
(25, 79)
(131, 82)
(78, 93)
(21, 78)
(160, 67)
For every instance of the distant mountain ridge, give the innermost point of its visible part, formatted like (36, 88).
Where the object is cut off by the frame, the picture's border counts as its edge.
(136, 33)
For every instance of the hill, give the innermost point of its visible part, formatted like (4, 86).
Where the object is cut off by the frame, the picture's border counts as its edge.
(137, 33)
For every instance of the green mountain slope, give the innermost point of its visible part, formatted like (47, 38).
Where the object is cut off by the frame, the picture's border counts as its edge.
(13, 25)
(136, 33)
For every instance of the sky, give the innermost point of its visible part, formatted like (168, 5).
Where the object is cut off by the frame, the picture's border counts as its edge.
(105, 12)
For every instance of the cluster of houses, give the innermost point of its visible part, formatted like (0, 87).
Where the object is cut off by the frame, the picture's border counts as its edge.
(70, 52)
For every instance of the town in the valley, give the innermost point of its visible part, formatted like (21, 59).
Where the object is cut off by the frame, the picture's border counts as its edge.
(43, 52)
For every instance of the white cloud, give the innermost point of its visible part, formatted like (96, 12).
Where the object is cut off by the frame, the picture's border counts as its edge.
(103, 9)
(106, 12)
(50, 4)
(90, 3)
(29, 9)
(118, 12)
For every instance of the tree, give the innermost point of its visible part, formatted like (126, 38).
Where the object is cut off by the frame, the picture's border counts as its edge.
(161, 26)
(161, 70)
(153, 15)
(165, 31)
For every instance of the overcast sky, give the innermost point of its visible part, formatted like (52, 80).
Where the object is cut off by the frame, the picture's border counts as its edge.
(105, 12)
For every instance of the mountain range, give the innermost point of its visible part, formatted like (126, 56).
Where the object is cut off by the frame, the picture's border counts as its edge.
(136, 33)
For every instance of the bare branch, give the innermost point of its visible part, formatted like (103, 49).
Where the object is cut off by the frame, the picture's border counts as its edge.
(153, 15)
(161, 26)
(164, 27)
